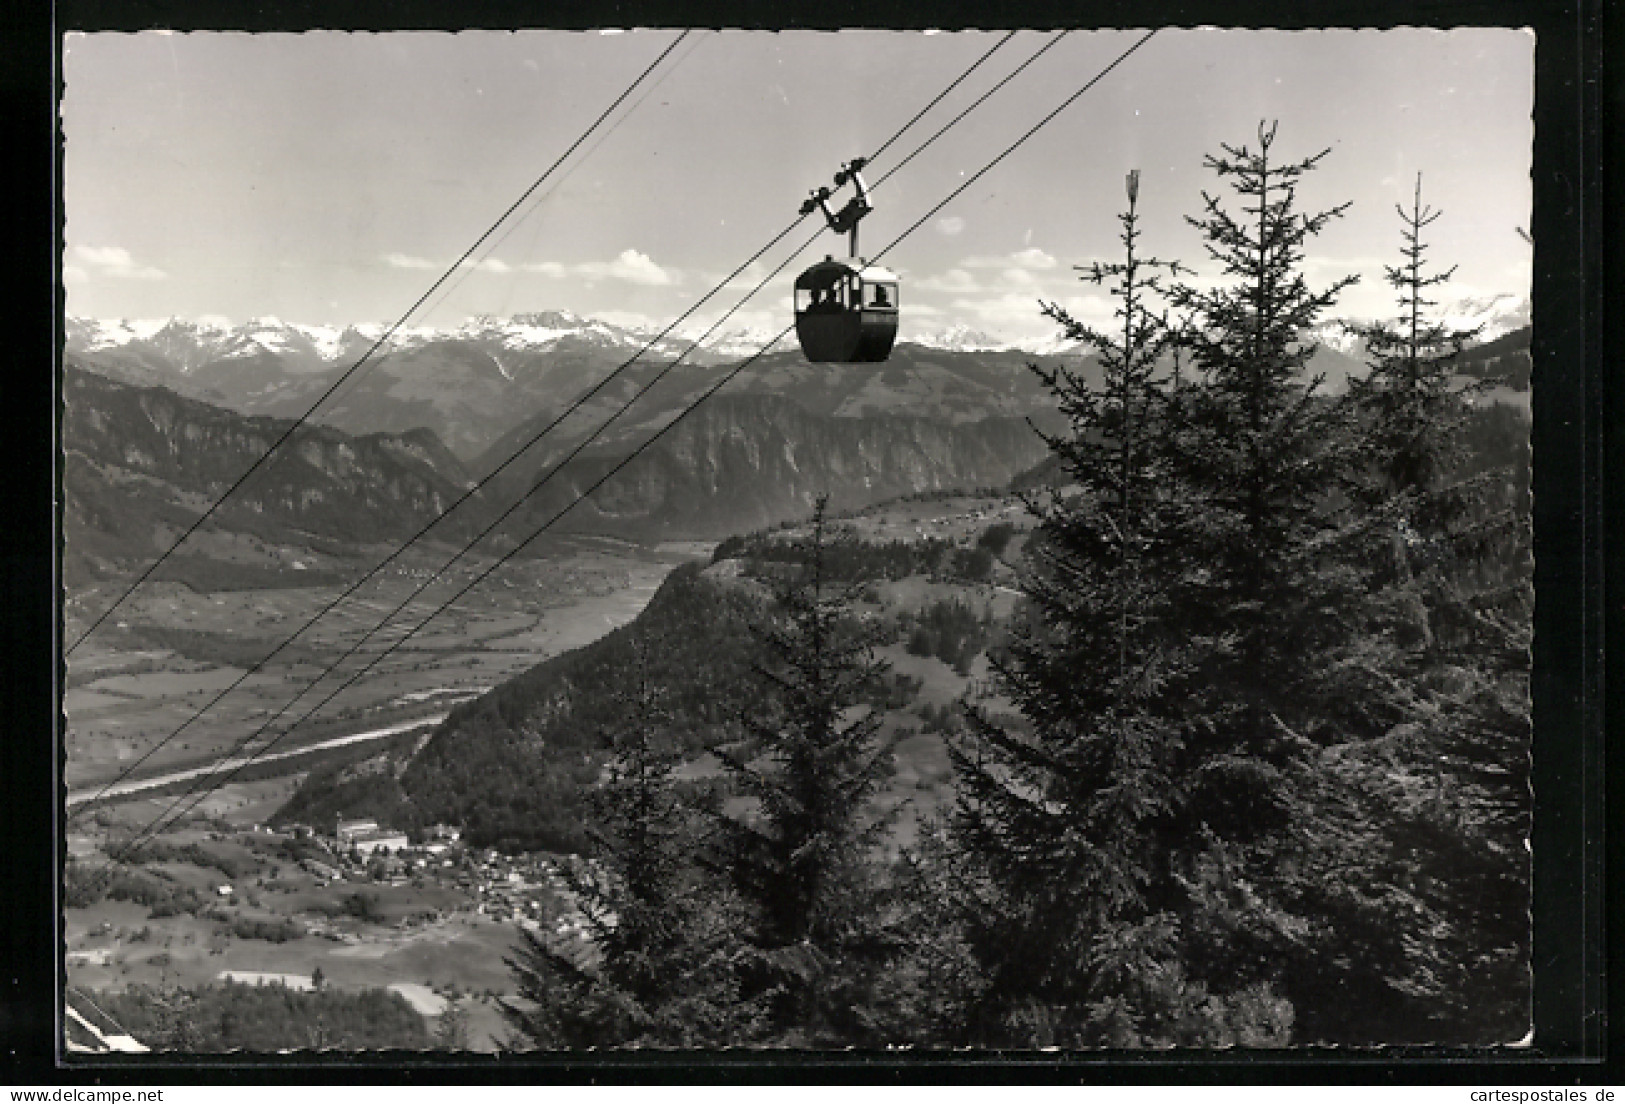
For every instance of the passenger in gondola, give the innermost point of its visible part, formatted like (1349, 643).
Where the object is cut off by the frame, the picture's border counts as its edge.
(881, 298)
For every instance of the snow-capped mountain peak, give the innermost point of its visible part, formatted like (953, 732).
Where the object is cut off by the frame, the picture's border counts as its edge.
(962, 339)
(307, 348)
(1492, 316)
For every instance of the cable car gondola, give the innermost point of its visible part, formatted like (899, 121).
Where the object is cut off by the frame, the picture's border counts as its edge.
(846, 311)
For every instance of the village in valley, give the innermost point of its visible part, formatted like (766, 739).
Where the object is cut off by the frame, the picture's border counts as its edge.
(355, 904)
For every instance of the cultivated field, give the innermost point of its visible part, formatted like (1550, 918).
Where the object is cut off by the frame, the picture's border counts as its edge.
(171, 650)
(247, 911)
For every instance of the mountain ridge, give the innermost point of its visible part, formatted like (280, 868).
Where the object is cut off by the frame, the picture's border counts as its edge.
(140, 464)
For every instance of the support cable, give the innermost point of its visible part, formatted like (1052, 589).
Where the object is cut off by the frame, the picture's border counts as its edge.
(174, 813)
(514, 457)
(367, 356)
(1012, 75)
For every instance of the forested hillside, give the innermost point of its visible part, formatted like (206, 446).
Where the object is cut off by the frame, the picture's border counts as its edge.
(265, 1019)
(747, 461)
(1242, 762)
(1268, 781)
(514, 766)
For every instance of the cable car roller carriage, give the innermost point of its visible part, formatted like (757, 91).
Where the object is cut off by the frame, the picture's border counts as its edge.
(846, 311)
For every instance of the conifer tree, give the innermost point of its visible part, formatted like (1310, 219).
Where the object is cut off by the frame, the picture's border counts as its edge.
(1444, 875)
(1064, 825)
(1186, 768)
(1412, 440)
(1261, 453)
(1274, 599)
(1457, 538)
(658, 965)
(802, 862)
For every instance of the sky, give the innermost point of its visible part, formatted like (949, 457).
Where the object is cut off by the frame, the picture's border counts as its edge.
(330, 178)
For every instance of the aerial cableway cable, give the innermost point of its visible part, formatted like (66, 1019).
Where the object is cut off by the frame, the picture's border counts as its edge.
(175, 813)
(600, 137)
(492, 527)
(367, 356)
(461, 268)
(469, 493)
(1013, 146)
(733, 373)
(515, 456)
(951, 123)
(729, 376)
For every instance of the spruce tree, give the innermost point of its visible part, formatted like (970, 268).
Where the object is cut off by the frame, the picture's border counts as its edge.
(1260, 453)
(1437, 895)
(1413, 406)
(1184, 673)
(1062, 825)
(802, 861)
(1275, 599)
(658, 965)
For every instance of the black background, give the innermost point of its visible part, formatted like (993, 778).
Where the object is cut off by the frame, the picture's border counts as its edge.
(1579, 420)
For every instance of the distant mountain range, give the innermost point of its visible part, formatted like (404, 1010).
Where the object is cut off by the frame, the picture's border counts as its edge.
(141, 462)
(161, 417)
(1493, 316)
(177, 345)
(477, 383)
(469, 384)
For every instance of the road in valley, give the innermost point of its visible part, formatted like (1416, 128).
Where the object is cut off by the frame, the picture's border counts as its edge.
(136, 785)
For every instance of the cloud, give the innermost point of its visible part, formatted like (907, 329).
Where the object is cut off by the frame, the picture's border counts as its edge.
(73, 274)
(1026, 268)
(1015, 313)
(630, 320)
(489, 264)
(1034, 258)
(1002, 309)
(401, 260)
(751, 275)
(631, 266)
(1341, 266)
(108, 256)
(405, 260)
(950, 226)
(112, 260)
(1031, 269)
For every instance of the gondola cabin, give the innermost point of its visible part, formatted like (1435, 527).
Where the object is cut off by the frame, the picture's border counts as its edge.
(846, 313)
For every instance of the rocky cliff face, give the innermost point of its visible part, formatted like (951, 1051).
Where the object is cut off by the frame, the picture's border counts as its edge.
(742, 462)
(142, 460)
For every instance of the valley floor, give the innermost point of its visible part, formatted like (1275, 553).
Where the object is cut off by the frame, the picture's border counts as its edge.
(123, 699)
(438, 927)
(173, 650)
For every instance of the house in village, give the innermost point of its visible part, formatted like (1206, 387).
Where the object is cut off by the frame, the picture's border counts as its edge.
(367, 837)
